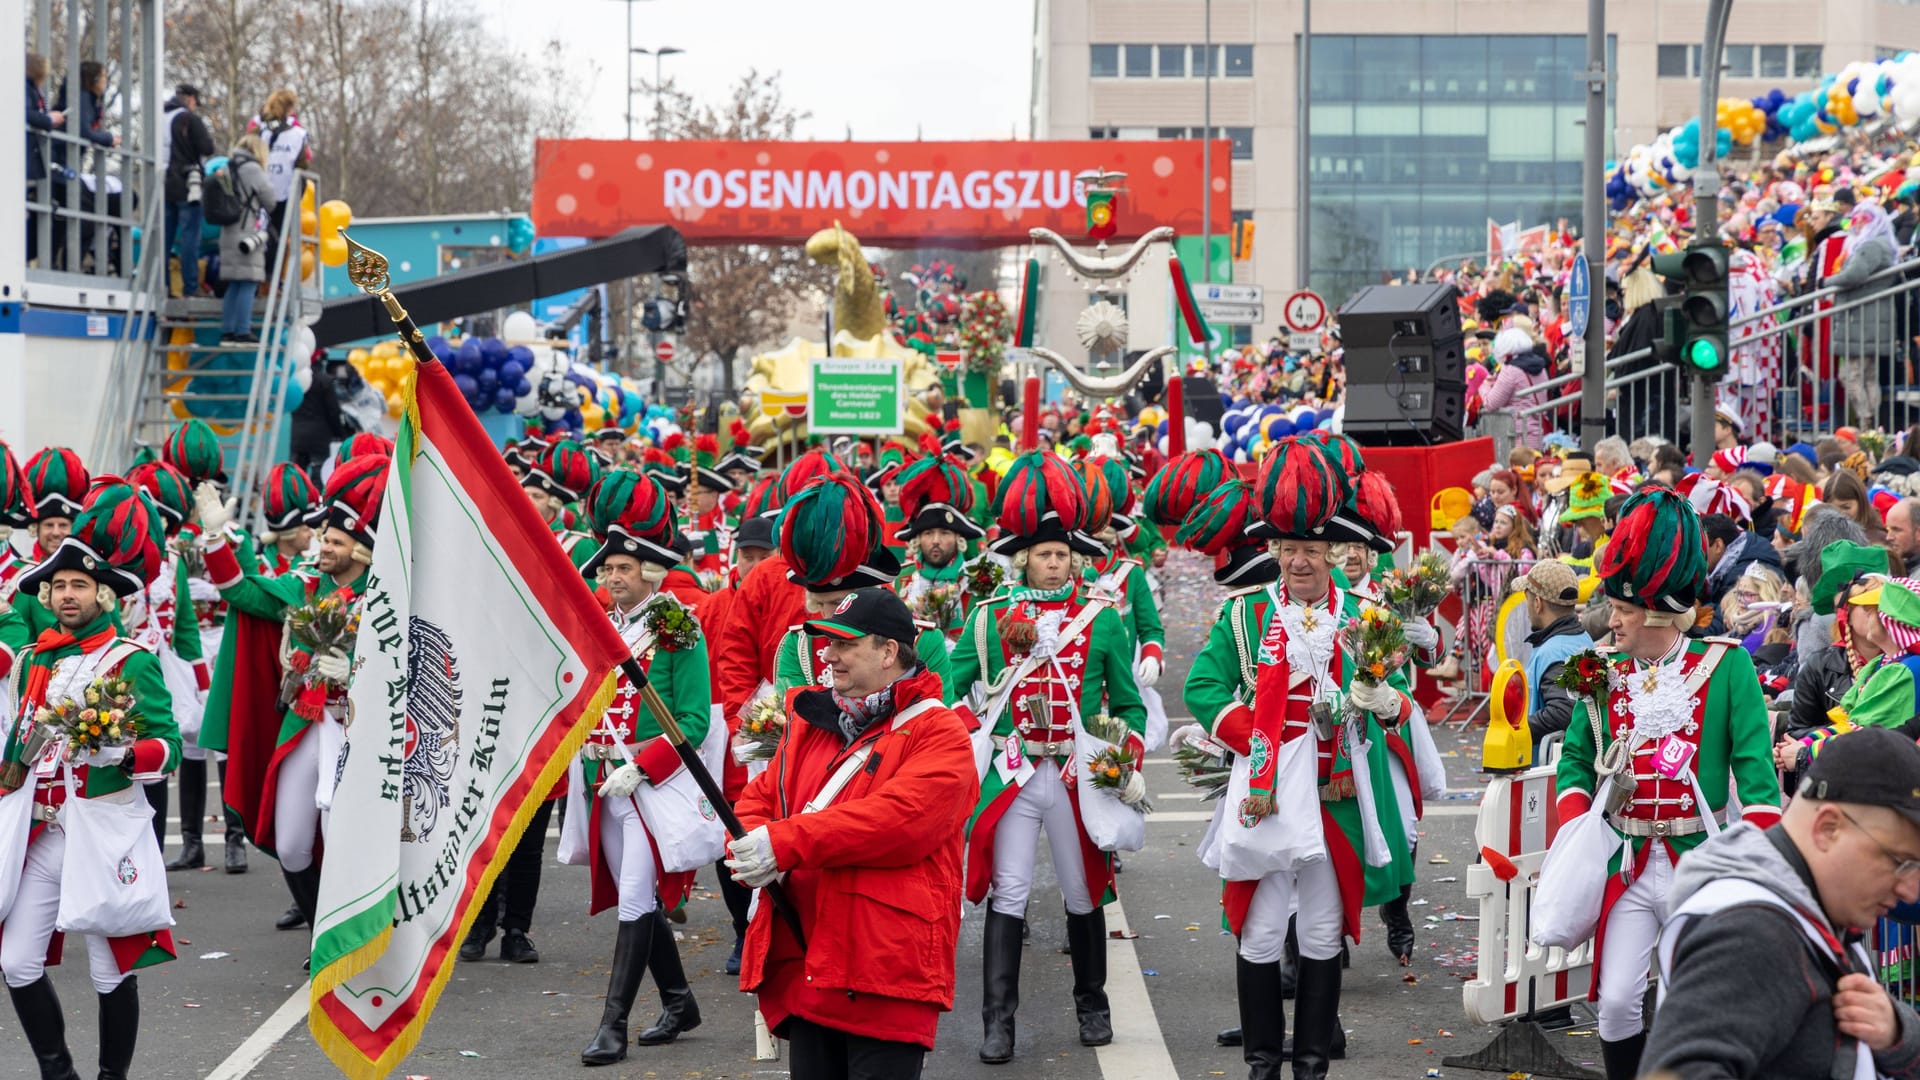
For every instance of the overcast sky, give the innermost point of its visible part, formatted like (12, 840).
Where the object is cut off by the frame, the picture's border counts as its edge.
(877, 65)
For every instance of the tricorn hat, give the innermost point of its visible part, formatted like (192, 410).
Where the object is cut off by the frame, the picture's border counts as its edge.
(118, 539)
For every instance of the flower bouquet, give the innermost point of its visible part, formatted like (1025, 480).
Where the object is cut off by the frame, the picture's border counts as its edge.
(1112, 769)
(1416, 592)
(329, 624)
(983, 580)
(760, 731)
(1376, 642)
(1206, 766)
(103, 718)
(939, 605)
(1584, 675)
(671, 625)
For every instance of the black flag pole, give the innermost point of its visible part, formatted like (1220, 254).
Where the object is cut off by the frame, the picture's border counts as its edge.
(690, 757)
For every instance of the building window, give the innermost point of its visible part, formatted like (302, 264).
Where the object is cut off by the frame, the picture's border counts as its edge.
(1205, 63)
(1806, 61)
(1104, 62)
(1242, 138)
(1673, 62)
(1739, 61)
(1139, 61)
(1773, 61)
(1173, 61)
(1239, 61)
(1173, 133)
(1108, 132)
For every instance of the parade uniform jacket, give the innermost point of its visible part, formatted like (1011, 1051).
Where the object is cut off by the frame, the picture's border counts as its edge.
(1725, 721)
(875, 874)
(681, 677)
(1098, 667)
(712, 540)
(76, 660)
(764, 606)
(1220, 695)
(578, 545)
(803, 658)
(245, 699)
(1125, 579)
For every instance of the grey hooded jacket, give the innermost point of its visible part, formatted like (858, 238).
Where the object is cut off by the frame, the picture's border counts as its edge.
(1747, 996)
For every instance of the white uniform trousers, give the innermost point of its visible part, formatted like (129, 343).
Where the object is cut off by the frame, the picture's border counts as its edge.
(1633, 925)
(1315, 891)
(1042, 801)
(29, 926)
(1402, 794)
(629, 854)
(298, 816)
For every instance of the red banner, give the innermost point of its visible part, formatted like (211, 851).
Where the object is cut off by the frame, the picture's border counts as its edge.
(950, 194)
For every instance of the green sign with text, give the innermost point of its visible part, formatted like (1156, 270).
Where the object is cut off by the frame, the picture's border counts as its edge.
(853, 396)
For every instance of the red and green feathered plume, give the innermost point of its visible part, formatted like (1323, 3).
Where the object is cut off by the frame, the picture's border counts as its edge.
(632, 501)
(805, 469)
(1119, 481)
(1180, 485)
(1035, 485)
(1344, 455)
(1219, 521)
(1657, 558)
(830, 532)
(706, 451)
(168, 489)
(57, 483)
(1099, 499)
(289, 497)
(675, 444)
(16, 500)
(762, 498)
(353, 495)
(933, 479)
(194, 449)
(1379, 506)
(564, 470)
(367, 444)
(143, 455)
(121, 525)
(1297, 491)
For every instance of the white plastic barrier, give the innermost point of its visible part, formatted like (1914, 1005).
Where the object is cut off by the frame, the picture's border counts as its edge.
(1516, 978)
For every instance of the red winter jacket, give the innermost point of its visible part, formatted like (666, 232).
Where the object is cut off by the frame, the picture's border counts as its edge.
(876, 875)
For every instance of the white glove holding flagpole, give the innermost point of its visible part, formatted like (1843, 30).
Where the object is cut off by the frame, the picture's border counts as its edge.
(621, 782)
(211, 512)
(752, 859)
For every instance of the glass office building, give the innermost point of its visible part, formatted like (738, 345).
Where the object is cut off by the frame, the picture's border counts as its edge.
(1416, 142)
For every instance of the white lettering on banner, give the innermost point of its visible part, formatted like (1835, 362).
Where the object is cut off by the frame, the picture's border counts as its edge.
(860, 189)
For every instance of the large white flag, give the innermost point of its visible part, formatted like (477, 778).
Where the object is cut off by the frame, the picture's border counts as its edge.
(482, 662)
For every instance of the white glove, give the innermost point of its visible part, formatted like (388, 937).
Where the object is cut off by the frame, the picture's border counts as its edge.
(621, 782)
(752, 859)
(1381, 700)
(333, 666)
(1147, 671)
(1421, 634)
(1135, 789)
(212, 513)
(103, 757)
(1187, 735)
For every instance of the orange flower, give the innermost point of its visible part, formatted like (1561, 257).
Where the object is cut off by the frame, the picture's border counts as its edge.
(1377, 669)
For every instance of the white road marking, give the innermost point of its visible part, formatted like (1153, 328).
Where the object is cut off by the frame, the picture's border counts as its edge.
(251, 1053)
(1187, 817)
(1138, 1050)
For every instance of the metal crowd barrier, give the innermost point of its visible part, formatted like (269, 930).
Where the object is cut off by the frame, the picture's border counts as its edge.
(1894, 942)
(1488, 606)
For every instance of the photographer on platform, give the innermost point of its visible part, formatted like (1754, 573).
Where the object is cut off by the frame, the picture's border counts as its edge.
(243, 247)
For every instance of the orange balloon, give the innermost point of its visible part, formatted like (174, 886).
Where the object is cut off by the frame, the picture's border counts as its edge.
(309, 222)
(307, 262)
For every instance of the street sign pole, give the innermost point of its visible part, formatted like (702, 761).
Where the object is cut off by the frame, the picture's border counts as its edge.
(1593, 384)
(1706, 200)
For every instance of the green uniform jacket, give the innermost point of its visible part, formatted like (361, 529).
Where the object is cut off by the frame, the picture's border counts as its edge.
(681, 677)
(1138, 613)
(1106, 686)
(1735, 739)
(157, 750)
(1223, 677)
(794, 664)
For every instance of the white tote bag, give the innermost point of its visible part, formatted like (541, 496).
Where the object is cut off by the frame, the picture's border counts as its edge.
(1285, 840)
(1573, 878)
(1111, 824)
(685, 828)
(113, 879)
(16, 826)
(1426, 756)
(1359, 753)
(575, 844)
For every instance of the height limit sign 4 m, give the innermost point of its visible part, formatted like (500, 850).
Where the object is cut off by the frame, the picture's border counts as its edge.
(1305, 315)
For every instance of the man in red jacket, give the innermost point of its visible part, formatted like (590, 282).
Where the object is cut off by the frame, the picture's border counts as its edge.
(862, 813)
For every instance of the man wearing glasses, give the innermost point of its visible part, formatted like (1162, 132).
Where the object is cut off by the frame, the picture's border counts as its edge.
(1790, 906)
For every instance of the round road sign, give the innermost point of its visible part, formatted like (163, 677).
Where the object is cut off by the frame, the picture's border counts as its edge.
(1304, 311)
(663, 351)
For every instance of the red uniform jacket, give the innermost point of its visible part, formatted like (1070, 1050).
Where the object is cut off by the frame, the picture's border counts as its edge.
(875, 875)
(768, 604)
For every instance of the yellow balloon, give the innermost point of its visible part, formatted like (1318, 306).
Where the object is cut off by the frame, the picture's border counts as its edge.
(306, 262)
(396, 404)
(386, 347)
(592, 417)
(309, 222)
(306, 197)
(358, 358)
(335, 215)
(333, 251)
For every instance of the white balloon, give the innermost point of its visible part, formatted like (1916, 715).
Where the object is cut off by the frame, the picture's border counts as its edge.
(300, 343)
(520, 329)
(303, 377)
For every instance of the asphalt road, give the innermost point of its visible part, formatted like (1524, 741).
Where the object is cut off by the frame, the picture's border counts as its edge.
(233, 1004)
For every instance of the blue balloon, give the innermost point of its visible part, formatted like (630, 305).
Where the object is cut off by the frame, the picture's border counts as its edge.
(469, 355)
(510, 372)
(503, 400)
(520, 234)
(523, 387)
(488, 380)
(494, 350)
(1722, 143)
(295, 396)
(521, 355)
(440, 347)
(466, 385)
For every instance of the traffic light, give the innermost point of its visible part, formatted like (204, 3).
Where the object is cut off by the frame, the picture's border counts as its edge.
(1696, 328)
(1242, 239)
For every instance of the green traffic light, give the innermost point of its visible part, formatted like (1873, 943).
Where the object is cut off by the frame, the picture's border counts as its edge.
(1704, 355)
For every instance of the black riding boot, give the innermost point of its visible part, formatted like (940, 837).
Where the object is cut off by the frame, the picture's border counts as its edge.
(1393, 915)
(678, 1010)
(46, 1028)
(193, 816)
(305, 887)
(1087, 937)
(236, 829)
(1316, 1018)
(1263, 1017)
(1000, 985)
(157, 798)
(1622, 1058)
(630, 950)
(119, 1028)
(1290, 963)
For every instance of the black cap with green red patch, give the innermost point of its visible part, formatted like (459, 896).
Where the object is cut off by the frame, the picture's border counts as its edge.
(868, 612)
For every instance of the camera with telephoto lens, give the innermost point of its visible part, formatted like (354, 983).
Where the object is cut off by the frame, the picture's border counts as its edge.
(251, 242)
(193, 184)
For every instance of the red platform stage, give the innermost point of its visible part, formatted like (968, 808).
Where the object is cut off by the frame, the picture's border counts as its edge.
(1417, 472)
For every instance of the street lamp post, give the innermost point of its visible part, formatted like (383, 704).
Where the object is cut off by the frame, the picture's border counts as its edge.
(658, 55)
(627, 105)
